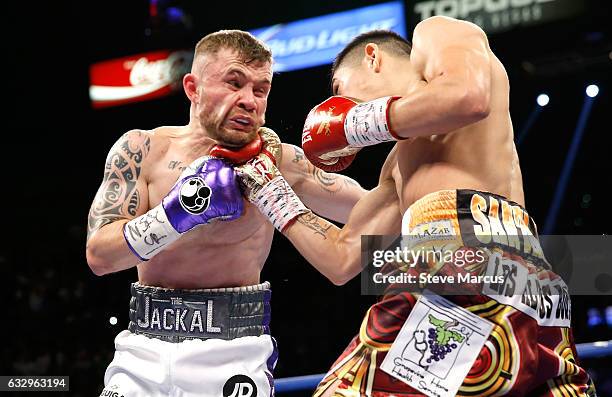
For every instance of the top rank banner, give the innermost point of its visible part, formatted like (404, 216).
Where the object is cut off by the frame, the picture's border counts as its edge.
(497, 15)
(316, 41)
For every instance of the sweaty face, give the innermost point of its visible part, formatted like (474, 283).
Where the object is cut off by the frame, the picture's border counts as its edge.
(233, 97)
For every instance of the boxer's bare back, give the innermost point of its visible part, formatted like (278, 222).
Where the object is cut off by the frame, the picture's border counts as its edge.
(480, 156)
(474, 148)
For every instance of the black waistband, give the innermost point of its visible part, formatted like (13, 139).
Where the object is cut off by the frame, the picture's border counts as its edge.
(491, 220)
(175, 315)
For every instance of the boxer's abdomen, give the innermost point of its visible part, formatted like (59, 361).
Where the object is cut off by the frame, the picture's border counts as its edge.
(225, 254)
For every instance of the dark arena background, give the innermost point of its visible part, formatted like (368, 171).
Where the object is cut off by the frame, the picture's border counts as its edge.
(57, 313)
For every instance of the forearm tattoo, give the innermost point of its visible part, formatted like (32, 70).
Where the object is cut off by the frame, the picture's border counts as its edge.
(330, 183)
(351, 182)
(314, 223)
(118, 197)
(299, 155)
(327, 182)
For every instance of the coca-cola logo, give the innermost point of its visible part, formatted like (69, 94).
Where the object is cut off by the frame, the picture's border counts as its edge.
(138, 77)
(162, 71)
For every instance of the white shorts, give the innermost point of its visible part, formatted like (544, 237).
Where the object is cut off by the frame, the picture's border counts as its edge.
(144, 366)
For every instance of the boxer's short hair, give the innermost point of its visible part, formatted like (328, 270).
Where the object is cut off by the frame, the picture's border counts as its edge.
(386, 39)
(249, 47)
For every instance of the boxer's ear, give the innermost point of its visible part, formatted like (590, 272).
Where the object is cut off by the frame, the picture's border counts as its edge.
(190, 86)
(372, 56)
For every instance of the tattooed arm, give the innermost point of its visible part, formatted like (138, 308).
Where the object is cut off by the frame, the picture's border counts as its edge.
(336, 253)
(330, 195)
(122, 196)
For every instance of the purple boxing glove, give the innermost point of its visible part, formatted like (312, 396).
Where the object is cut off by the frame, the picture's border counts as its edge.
(207, 190)
(211, 192)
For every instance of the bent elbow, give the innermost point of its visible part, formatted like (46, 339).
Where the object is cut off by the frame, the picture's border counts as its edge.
(98, 270)
(339, 279)
(475, 105)
(345, 271)
(97, 267)
(480, 108)
(96, 264)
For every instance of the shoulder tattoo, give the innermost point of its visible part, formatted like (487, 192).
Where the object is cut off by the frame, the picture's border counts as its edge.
(118, 197)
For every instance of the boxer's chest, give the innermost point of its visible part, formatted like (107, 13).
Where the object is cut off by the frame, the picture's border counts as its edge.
(163, 174)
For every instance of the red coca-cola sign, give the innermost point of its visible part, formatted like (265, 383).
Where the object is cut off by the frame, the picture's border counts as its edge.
(138, 77)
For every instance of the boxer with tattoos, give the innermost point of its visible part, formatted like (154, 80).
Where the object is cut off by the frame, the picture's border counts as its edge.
(171, 207)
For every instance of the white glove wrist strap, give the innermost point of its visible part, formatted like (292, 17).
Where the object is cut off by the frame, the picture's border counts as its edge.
(366, 124)
(149, 233)
(279, 203)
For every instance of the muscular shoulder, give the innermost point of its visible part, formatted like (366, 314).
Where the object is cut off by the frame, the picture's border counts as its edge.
(135, 148)
(450, 28)
(152, 144)
(133, 145)
(437, 38)
(161, 137)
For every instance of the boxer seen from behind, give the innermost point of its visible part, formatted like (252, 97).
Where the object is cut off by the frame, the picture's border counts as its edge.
(171, 207)
(451, 180)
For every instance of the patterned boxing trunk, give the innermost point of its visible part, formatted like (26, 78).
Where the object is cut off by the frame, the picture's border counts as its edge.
(526, 346)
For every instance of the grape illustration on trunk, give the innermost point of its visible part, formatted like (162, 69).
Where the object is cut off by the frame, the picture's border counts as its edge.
(440, 340)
